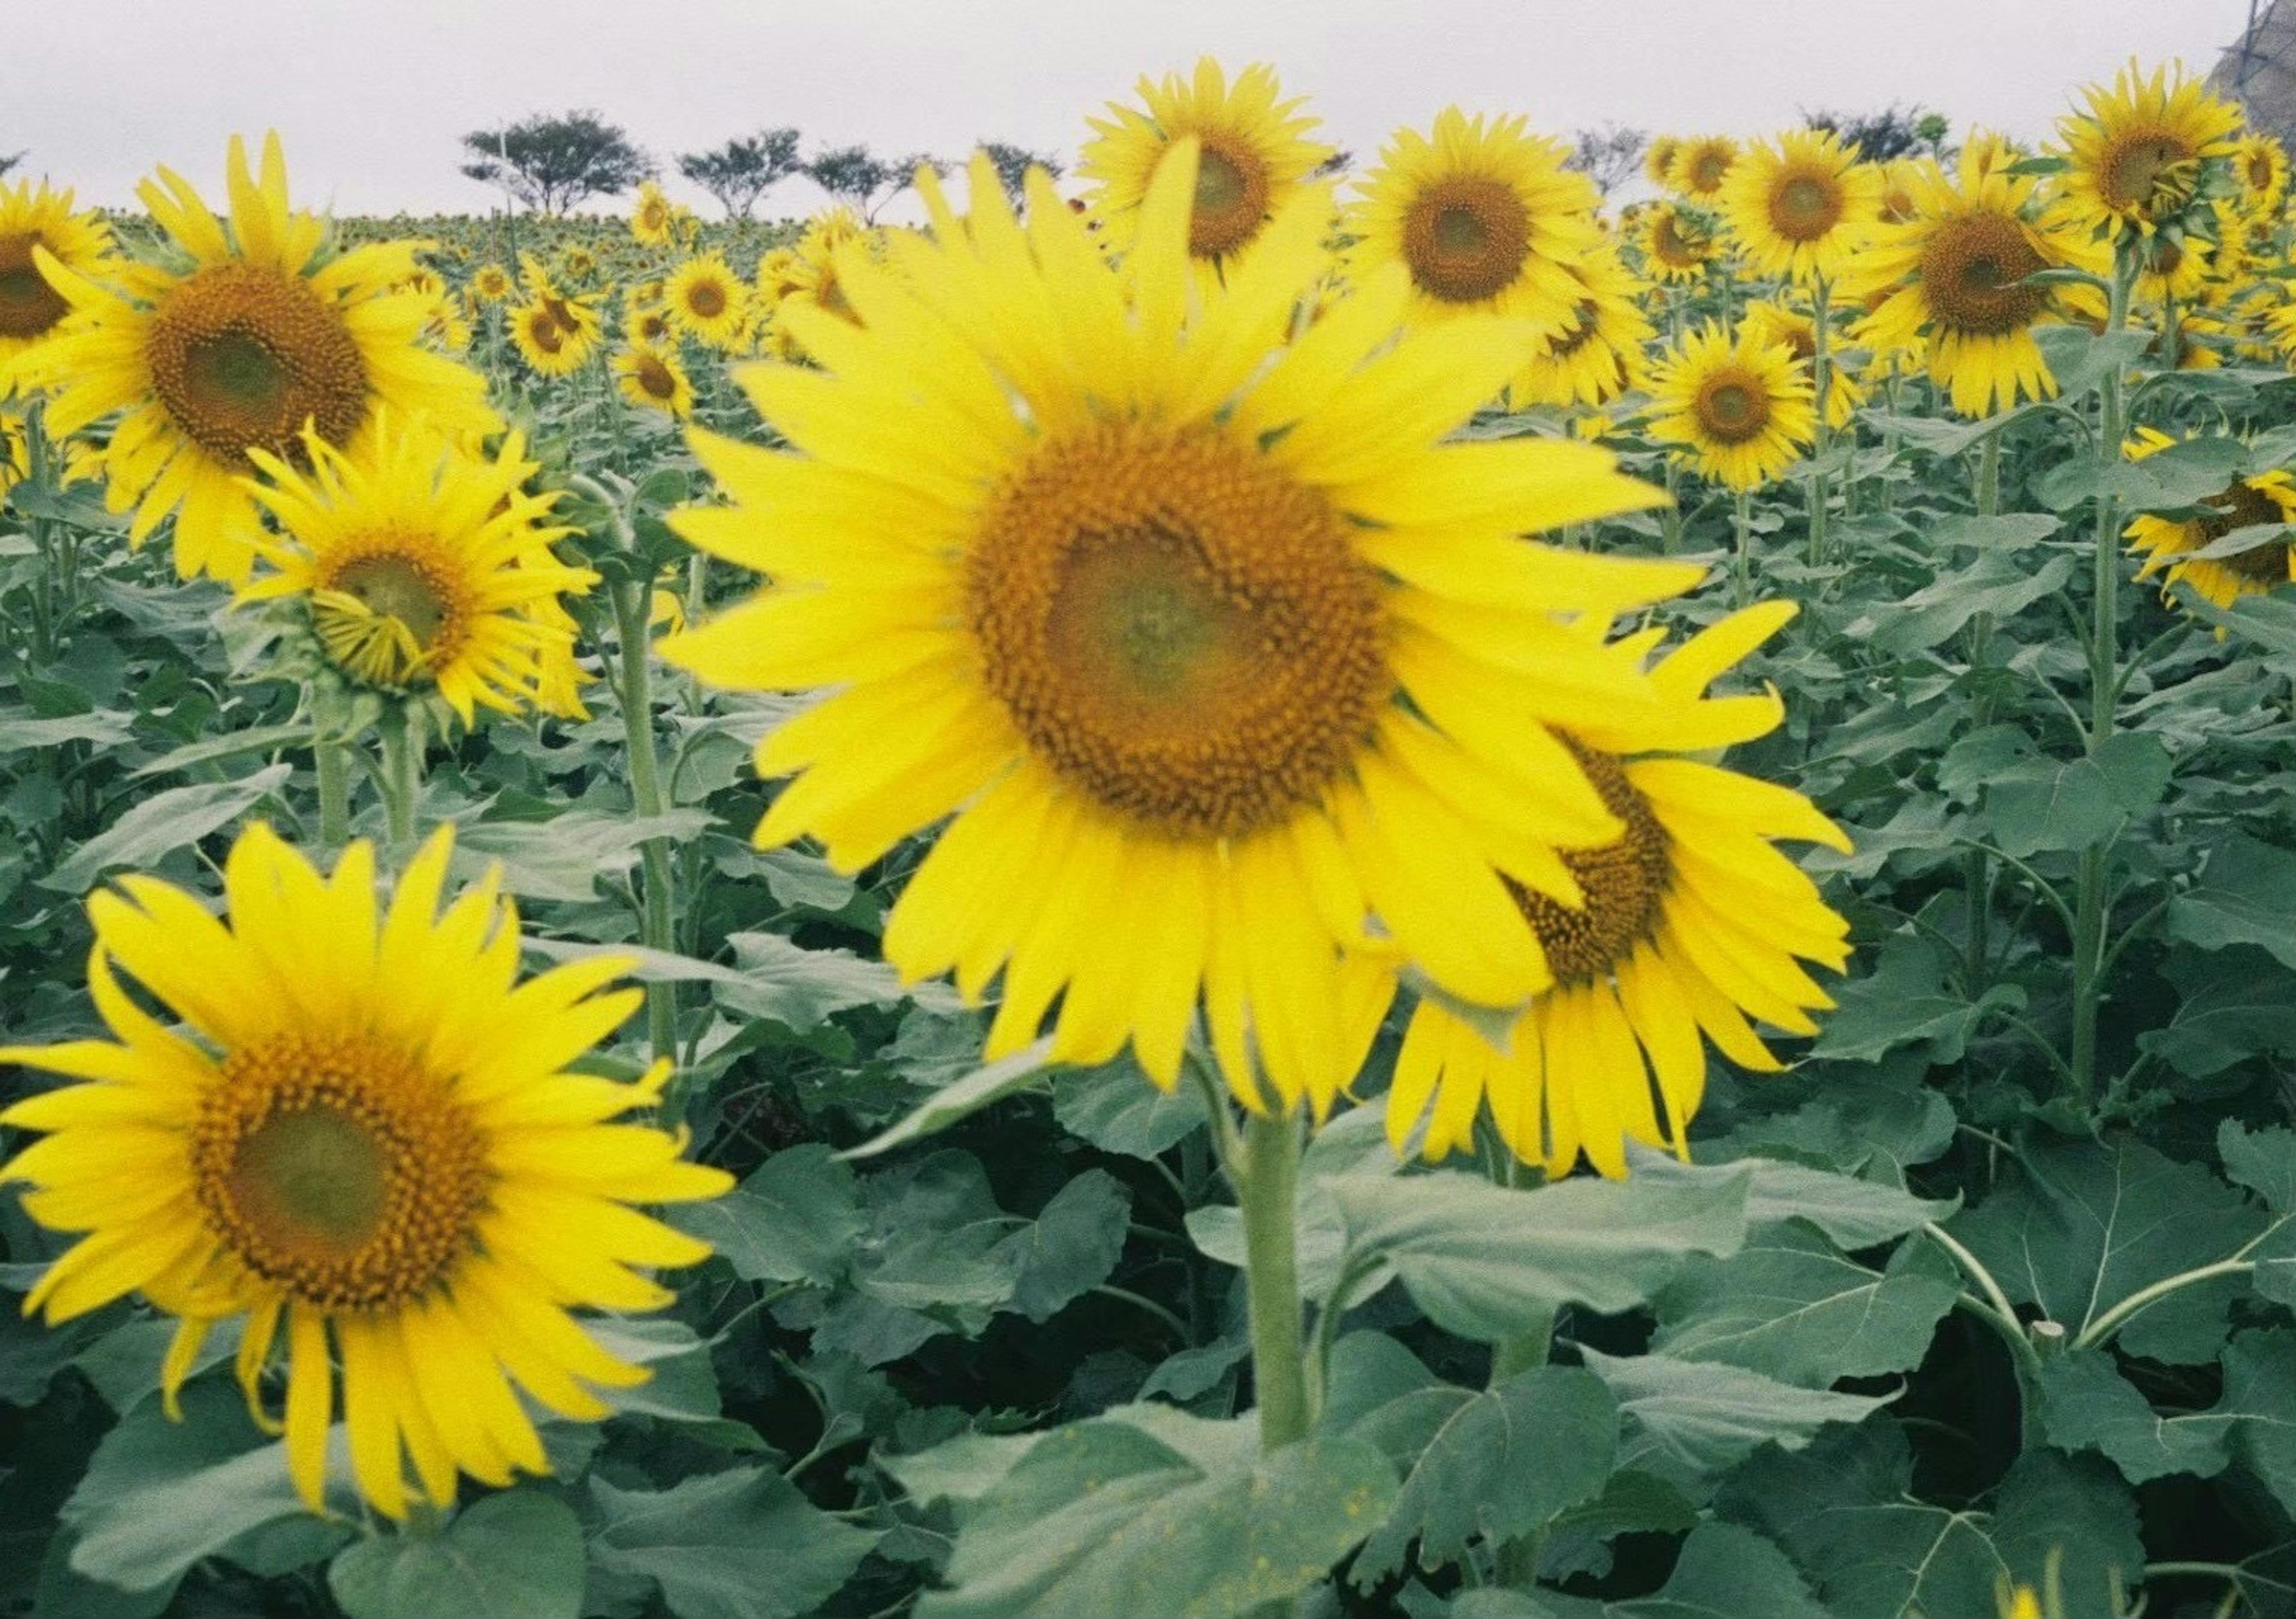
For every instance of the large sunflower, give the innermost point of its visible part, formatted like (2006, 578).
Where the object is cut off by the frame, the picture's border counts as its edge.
(1482, 215)
(1958, 274)
(2136, 158)
(362, 1133)
(268, 330)
(30, 309)
(2170, 544)
(1691, 924)
(1799, 206)
(1597, 354)
(423, 568)
(1742, 410)
(708, 301)
(1253, 155)
(1214, 654)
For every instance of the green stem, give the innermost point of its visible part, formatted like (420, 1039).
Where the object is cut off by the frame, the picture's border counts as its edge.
(1743, 575)
(630, 598)
(330, 762)
(1266, 1177)
(402, 775)
(1821, 375)
(1531, 1346)
(43, 533)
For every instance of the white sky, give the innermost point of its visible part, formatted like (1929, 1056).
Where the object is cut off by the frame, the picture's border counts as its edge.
(372, 95)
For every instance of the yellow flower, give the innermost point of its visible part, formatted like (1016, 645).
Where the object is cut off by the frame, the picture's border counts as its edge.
(2171, 544)
(1214, 654)
(2135, 159)
(492, 283)
(423, 567)
(1742, 411)
(1484, 217)
(708, 301)
(30, 309)
(655, 217)
(2260, 163)
(1657, 158)
(549, 348)
(1799, 206)
(1701, 166)
(1676, 244)
(1796, 332)
(1597, 355)
(1693, 922)
(362, 1141)
(266, 332)
(1253, 155)
(652, 380)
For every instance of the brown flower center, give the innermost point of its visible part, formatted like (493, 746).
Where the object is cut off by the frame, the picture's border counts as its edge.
(2245, 506)
(1464, 239)
(242, 358)
(1973, 274)
(29, 307)
(1626, 884)
(1732, 407)
(1805, 203)
(1232, 190)
(2147, 171)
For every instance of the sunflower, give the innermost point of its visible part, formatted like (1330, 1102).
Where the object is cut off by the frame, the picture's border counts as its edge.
(645, 320)
(422, 567)
(2171, 544)
(363, 1134)
(548, 347)
(574, 315)
(267, 330)
(1676, 243)
(1742, 411)
(2175, 266)
(1205, 649)
(1691, 927)
(2138, 156)
(654, 217)
(779, 273)
(1657, 158)
(1253, 156)
(1797, 331)
(1900, 202)
(652, 380)
(491, 283)
(1702, 165)
(1597, 354)
(1482, 215)
(708, 301)
(1799, 206)
(30, 309)
(1955, 279)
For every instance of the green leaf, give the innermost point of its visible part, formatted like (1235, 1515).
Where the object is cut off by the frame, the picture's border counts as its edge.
(161, 824)
(1691, 1419)
(1102, 1518)
(1856, 1213)
(2087, 1405)
(2082, 359)
(2070, 1513)
(564, 857)
(517, 1554)
(1998, 581)
(2260, 1389)
(1905, 1001)
(1487, 1262)
(107, 730)
(1504, 1463)
(2054, 804)
(2264, 1161)
(1072, 1246)
(798, 988)
(743, 1544)
(1788, 1306)
(2234, 1004)
(2076, 1228)
(1723, 1572)
(983, 1087)
(2007, 531)
(1350, 1149)
(796, 1218)
(962, 1469)
(262, 739)
(1119, 1109)
(2245, 897)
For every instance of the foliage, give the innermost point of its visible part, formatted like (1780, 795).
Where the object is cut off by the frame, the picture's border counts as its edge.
(553, 162)
(744, 168)
(1012, 164)
(1609, 156)
(1895, 131)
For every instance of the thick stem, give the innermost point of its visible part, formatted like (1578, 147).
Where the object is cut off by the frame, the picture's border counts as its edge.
(330, 762)
(1742, 574)
(646, 799)
(402, 775)
(1266, 1177)
(1821, 376)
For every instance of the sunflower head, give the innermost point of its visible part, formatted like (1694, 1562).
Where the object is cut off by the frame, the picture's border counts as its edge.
(1740, 409)
(1801, 205)
(492, 283)
(654, 217)
(652, 380)
(2173, 547)
(2143, 151)
(1657, 158)
(37, 220)
(1701, 166)
(1253, 154)
(1677, 242)
(707, 300)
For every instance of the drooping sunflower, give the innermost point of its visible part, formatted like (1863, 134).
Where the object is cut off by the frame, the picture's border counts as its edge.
(549, 348)
(491, 283)
(1801, 205)
(653, 216)
(1597, 354)
(1797, 331)
(708, 301)
(1253, 155)
(1955, 279)
(1676, 244)
(266, 332)
(2136, 158)
(652, 380)
(30, 309)
(1213, 654)
(2170, 544)
(1740, 410)
(1701, 166)
(1693, 927)
(364, 1142)
(1483, 216)
(424, 567)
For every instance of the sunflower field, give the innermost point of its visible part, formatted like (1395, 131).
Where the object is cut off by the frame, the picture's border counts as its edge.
(1242, 886)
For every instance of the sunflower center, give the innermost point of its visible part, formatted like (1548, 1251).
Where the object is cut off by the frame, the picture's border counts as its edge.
(242, 358)
(655, 380)
(403, 616)
(396, 588)
(546, 333)
(2259, 171)
(1464, 239)
(2145, 170)
(29, 305)
(1180, 632)
(1674, 246)
(1973, 274)
(1733, 407)
(1805, 206)
(337, 1169)
(706, 299)
(1626, 884)
(1231, 198)
(1707, 171)
(2243, 506)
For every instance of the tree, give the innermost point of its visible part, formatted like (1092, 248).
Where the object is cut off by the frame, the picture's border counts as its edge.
(1012, 164)
(1334, 167)
(742, 170)
(865, 182)
(1876, 137)
(1606, 156)
(553, 163)
(10, 160)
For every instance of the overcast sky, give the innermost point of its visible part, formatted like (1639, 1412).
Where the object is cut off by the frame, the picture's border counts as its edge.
(371, 96)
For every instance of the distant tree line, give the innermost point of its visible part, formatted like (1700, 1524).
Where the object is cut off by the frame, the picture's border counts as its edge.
(553, 162)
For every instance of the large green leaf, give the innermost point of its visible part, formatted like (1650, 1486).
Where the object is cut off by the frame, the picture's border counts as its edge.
(163, 824)
(1691, 1419)
(1071, 1245)
(2245, 897)
(743, 1543)
(797, 1218)
(2087, 1405)
(1905, 1001)
(2052, 804)
(1724, 1572)
(517, 1554)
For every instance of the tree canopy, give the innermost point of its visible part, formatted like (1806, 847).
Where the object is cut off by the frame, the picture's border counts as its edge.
(553, 162)
(743, 170)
